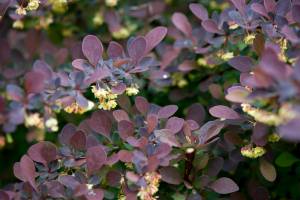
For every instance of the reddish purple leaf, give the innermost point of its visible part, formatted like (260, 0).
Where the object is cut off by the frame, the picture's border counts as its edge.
(34, 82)
(125, 129)
(167, 137)
(154, 37)
(136, 48)
(118, 89)
(224, 112)
(240, 5)
(97, 194)
(296, 13)
(270, 5)
(260, 9)
(27, 169)
(120, 115)
(125, 156)
(141, 104)
(167, 111)
(209, 130)
(170, 175)
(66, 133)
(237, 94)
(199, 11)
(113, 178)
(241, 63)
(152, 122)
(196, 112)
(224, 186)
(115, 50)
(80, 64)
(174, 124)
(92, 49)
(78, 140)
(211, 26)
(100, 122)
(182, 23)
(43, 152)
(95, 159)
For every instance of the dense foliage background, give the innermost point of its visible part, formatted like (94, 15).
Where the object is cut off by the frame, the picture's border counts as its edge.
(125, 99)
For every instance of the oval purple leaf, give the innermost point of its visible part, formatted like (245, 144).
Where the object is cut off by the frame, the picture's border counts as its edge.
(224, 112)
(224, 186)
(92, 49)
(95, 159)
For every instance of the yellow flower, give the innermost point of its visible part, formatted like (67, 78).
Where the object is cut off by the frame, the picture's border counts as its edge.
(249, 38)
(99, 92)
(52, 124)
(34, 120)
(233, 26)
(152, 180)
(33, 5)
(108, 105)
(225, 56)
(261, 115)
(18, 24)
(123, 33)
(98, 19)
(133, 90)
(273, 137)
(75, 108)
(59, 6)
(251, 152)
(21, 11)
(111, 3)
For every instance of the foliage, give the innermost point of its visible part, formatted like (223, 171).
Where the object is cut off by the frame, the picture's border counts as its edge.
(217, 116)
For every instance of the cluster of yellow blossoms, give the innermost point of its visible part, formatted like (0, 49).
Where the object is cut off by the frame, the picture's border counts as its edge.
(179, 80)
(59, 6)
(107, 99)
(273, 138)
(77, 109)
(252, 152)
(32, 5)
(35, 120)
(269, 118)
(111, 3)
(152, 180)
(122, 33)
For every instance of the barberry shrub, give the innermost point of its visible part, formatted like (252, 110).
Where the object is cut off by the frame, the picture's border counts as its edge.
(217, 116)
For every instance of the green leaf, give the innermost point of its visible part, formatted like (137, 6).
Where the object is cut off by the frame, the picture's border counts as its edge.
(285, 159)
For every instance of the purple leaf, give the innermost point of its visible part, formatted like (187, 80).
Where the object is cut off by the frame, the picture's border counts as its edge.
(296, 13)
(224, 112)
(97, 194)
(78, 140)
(199, 11)
(290, 130)
(66, 133)
(209, 130)
(170, 175)
(167, 137)
(118, 89)
(27, 170)
(241, 63)
(68, 181)
(43, 152)
(167, 111)
(14, 92)
(154, 37)
(182, 23)
(152, 122)
(34, 82)
(136, 48)
(224, 186)
(141, 104)
(92, 49)
(120, 115)
(95, 159)
(240, 5)
(196, 112)
(80, 64)
(211, 26)
(125, 129)
(115, 50)
(100, 122)
(260, 9)
(270, 5)
(237, 94)
(175, 124)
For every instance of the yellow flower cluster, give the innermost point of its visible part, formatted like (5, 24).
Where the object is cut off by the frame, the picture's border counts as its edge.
(122, 33)
(225, 55)
(252, 152)
(283, 47)
(203, 63)
(273, 137)
(107, 99)
(178, 80)
(133, 90)
(269, 118)
(111, 3)
(147, 193)
(77, 109)
(249, 38)
(18, 24)
(34, 120)
(52, 124)
(59, 6)
(98, 19)
(32, 5)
